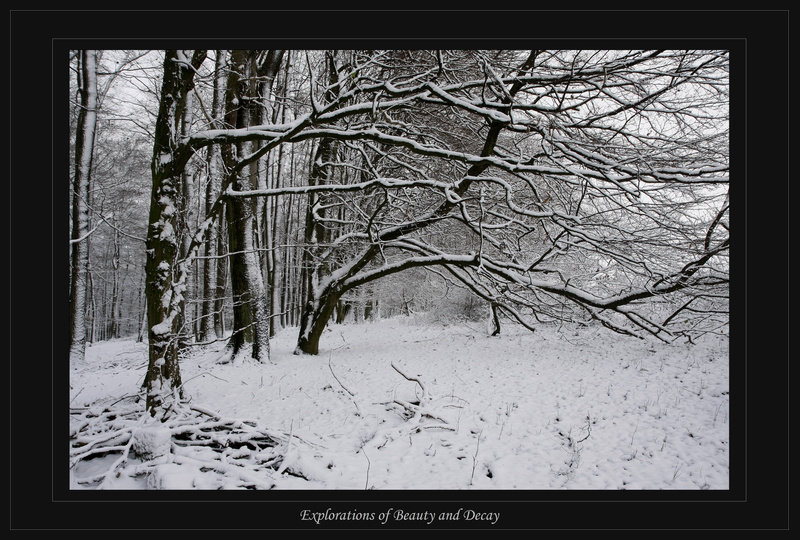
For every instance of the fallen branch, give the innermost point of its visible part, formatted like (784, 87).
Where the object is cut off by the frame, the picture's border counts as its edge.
(412, 379)
(419, 410)
(241, 451)
(358, 409)
(337, 379)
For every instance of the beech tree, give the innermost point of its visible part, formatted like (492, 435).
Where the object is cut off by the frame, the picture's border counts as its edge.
(213, 267)
(166, 273)
(84, 153)
(246, 102)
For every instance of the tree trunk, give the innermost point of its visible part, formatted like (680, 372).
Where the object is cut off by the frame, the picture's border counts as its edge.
(318, 306)
(113, 322)
(315, 317)
(222, 277)
(249, 301)
(243, 103)
(186, 225)
(84, 151)
(209, 315)
(92, 337)
(142, 318)
(165, 275)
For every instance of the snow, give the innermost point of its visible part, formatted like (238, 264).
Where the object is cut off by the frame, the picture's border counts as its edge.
(564, 408)
(151, 442)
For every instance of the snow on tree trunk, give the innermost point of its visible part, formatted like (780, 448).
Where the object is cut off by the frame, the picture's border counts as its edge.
(165, 275)
(84, 150)
(212, 265)
(250, 317)
(243, 108)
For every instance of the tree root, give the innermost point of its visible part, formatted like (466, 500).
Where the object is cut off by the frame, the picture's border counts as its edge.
(124, 442)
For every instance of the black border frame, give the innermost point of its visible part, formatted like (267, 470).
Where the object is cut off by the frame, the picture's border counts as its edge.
(758, 498)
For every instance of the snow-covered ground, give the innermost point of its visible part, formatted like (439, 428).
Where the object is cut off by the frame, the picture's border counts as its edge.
(558, 409)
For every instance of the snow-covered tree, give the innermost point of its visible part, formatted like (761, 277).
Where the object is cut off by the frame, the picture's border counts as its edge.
(552, 185)
(166, 272)
(574, 160)
(84, 153)
(247, 104)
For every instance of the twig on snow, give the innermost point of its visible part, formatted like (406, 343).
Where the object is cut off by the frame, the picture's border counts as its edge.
(369, 463)
(414, 379)
(358, 409)
(475, 457)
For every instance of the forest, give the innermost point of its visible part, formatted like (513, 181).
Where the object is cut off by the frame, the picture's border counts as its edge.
(224, 199)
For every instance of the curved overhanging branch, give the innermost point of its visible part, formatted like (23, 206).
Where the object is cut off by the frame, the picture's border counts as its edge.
(325, 121)
(505, 274)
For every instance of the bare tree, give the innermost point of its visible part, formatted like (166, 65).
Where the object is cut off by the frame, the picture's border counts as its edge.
(166, 272)
(248, 89)
(84, 152)
(211, 312)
